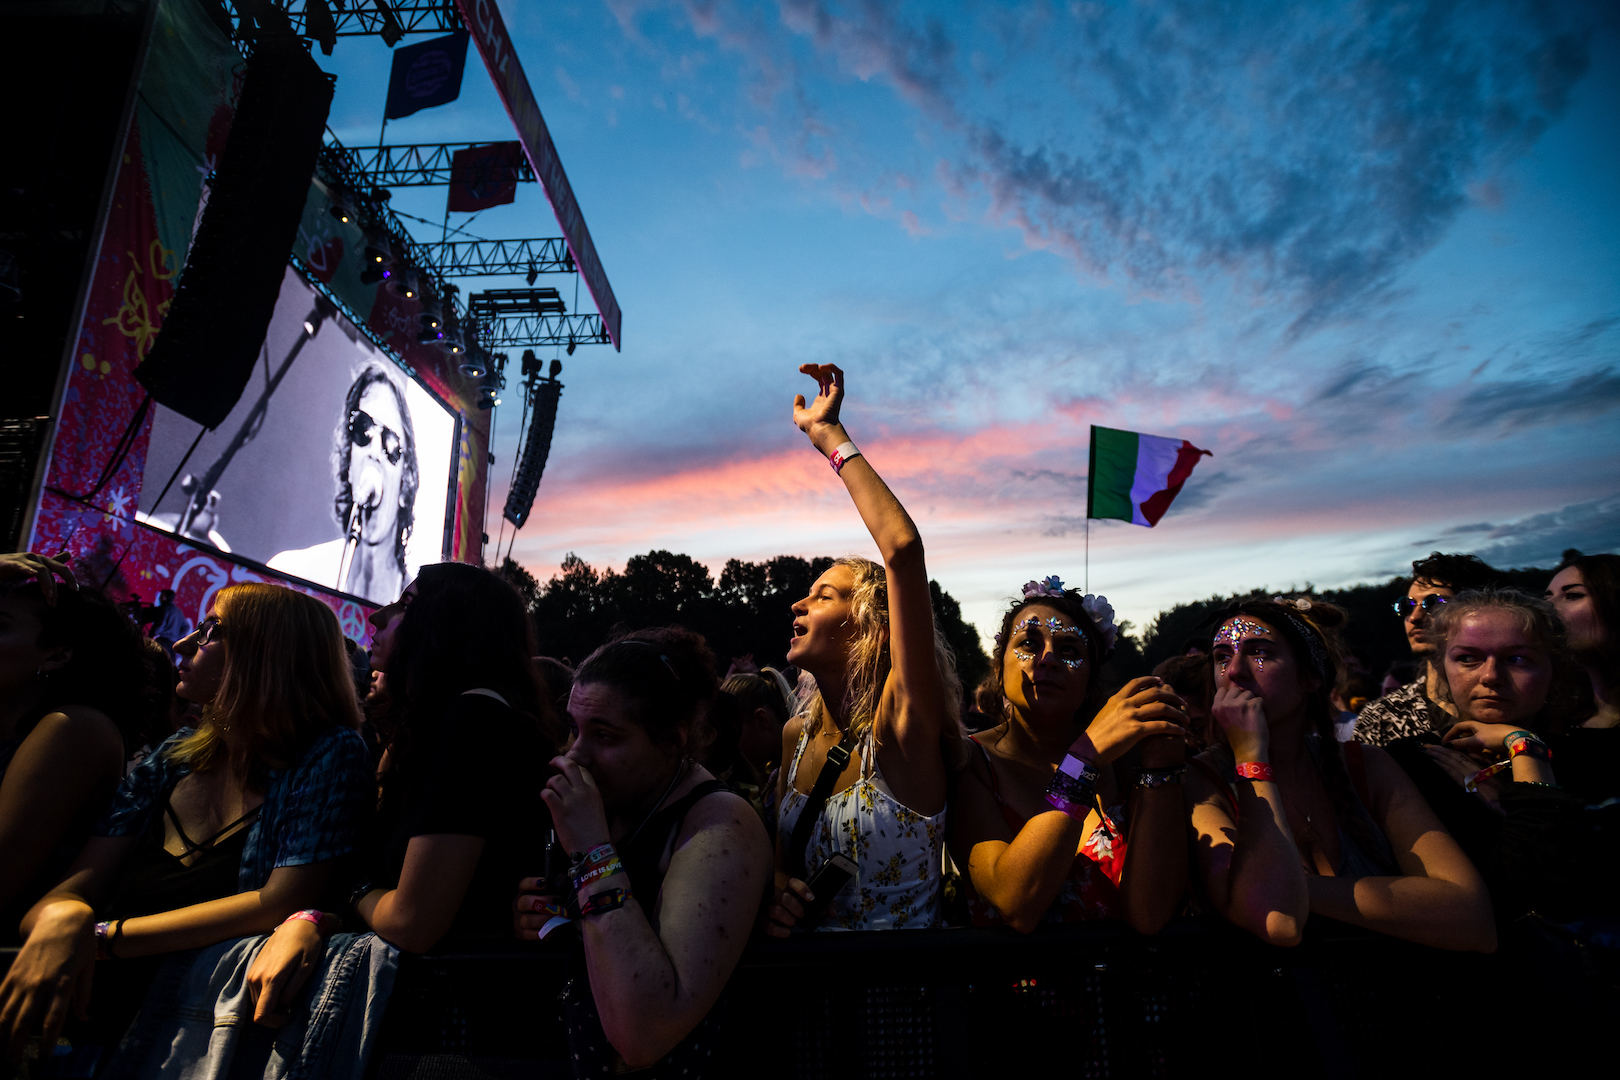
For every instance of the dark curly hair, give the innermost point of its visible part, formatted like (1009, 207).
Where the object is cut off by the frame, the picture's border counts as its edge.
(343, 448)
(1071, 603)
(1455, 571)
(108, 670)
(666, 672)
(1601, 575)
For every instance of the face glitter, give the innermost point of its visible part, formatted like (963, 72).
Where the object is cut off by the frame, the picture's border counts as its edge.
(1238, 628)
(1058, 630)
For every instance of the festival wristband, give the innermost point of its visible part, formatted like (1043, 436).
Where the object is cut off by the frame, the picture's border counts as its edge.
(102, 930)
(604, 901)
(1255, 770)
(601, 853)
(1473, 782)
(1072, 787)
(1152, 778)
(607, 869)
(840, 456)
(320, 918)
(1523, 742)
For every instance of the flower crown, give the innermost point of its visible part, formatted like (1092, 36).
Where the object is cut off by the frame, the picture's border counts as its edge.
(1097, 606)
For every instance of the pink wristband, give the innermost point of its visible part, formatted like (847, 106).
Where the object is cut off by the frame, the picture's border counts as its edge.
(840, 457)
(309, 915)
(1254, 770)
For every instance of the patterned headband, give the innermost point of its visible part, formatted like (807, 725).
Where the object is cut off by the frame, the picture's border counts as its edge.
(1313, 637)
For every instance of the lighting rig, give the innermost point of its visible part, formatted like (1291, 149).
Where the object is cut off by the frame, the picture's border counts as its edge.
(327, 20)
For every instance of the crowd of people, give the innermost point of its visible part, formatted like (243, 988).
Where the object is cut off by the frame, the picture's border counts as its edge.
(257, 825)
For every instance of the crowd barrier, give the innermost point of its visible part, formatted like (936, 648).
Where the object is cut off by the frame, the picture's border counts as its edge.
(1083, 1001)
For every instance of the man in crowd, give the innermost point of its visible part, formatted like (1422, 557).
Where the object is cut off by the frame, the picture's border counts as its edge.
(169, 625)
(1413, 710)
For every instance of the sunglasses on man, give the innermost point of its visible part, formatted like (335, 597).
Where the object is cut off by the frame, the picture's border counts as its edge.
(1403, 607)
(362, 429)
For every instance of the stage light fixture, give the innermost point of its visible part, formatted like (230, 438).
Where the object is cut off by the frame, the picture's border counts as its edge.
(342, 206)
(430, 319)
(555, 369)
(489, 388)
(475, 364)
(531, 363)
(451, 339)
(406, 282)
(572, 345)
(534, 272)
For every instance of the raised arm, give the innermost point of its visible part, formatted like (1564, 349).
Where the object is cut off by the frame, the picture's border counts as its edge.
(1438, 900)
(914, 699)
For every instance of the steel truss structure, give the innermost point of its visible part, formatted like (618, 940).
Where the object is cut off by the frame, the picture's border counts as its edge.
(488, 258)
(388, 19)
(514, 318)
(421, 164)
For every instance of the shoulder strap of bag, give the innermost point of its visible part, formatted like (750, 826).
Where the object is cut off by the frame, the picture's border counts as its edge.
(831, 770)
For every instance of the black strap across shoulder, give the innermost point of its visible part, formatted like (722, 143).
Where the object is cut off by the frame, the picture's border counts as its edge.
(831, 770)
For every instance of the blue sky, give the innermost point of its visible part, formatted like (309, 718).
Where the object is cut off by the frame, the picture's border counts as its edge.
(1369, 255)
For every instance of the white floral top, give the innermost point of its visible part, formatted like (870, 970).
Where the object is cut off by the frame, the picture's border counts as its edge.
(899, 851)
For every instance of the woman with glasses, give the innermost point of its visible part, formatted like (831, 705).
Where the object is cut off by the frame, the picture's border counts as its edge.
(224, 831)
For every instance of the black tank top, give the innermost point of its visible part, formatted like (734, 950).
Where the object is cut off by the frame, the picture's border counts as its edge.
(154, 879)
(593, 1055)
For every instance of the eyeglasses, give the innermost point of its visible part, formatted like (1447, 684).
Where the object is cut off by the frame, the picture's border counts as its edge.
(210, 631)
(361, 427)
(1403, 607)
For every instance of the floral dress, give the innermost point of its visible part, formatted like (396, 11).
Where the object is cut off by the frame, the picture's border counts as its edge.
(899, 852)
(1091, 889)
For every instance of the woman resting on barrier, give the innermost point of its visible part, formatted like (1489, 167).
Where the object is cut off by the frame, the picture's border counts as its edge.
(1068, 781)
(1289, 822)
(72, 672)
(460, 818)
(863, 782)
(224, 831)
(666, 865)
(1547, 843)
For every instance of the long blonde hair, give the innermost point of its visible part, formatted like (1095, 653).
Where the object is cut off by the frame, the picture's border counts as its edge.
(870, 662)
(286, 680)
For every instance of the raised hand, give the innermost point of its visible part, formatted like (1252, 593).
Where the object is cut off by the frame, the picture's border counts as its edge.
(1144, 708)
(819, 419)
(1242, 716)
(25, 564)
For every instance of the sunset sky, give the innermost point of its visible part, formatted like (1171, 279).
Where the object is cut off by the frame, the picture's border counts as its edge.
(1369, 255)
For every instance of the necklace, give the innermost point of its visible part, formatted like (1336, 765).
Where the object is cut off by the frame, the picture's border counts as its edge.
(680, 768)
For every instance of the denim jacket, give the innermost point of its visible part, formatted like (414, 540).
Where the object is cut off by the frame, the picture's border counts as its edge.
(197, 1020)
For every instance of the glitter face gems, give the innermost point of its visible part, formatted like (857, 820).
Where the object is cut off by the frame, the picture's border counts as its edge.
(1061, 634)
(1233, 631)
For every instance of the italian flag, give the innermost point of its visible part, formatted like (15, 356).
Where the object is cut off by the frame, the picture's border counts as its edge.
(1134, 477)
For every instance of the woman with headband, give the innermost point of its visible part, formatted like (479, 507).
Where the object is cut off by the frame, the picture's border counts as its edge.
(1290, 823)
(1067, 781)
(863, 781)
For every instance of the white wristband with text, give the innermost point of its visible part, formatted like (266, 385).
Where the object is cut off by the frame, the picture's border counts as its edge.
(840, 456)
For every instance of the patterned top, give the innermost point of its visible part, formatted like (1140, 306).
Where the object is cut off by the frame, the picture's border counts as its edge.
(899, 852)
(1399, 714)
(312, 813)
(1091, 889)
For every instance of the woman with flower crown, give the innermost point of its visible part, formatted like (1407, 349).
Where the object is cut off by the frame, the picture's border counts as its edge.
(1069, 780)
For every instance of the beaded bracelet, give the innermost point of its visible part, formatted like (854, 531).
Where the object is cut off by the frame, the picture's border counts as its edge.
(607, 869)
(604, 901)
(1152, 778)
(1255, 770)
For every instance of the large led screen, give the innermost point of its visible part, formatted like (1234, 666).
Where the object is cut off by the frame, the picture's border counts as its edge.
(335, 466)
